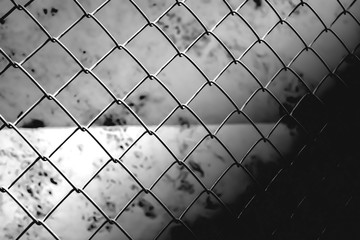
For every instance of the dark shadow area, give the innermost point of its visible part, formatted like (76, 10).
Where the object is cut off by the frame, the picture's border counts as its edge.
(317, 196)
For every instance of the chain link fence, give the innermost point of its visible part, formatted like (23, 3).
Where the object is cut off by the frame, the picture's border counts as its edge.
(289, 204)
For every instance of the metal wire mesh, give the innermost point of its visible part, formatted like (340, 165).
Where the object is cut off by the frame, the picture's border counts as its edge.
(260, 198)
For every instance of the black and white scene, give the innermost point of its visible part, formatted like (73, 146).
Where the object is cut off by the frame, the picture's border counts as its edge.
(179, 119)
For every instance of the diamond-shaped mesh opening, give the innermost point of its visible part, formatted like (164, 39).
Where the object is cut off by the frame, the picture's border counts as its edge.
(83, 162)
(182, 78)
(180, 26)
(288, 47)
(263, 100)
(235, 34)
(209, 55)
(262, 62)
(181, 185)
(121, 19)
(207, 156)
(20, 35)
(328, 40)
(116, 140)
(323, 13)
(177, 119)
(119, 72)
(145, 162)
(55, 17)
(283, 8)
(238, 83)
(40, 189)
(310, 68)
(151, 48)
(51, 66)
(211, 105)
(347, 69)
(146, 100)
(317, 111)
(17, 93)
(112, 189)
(255, 12)
(13, 162)
(308, 30)
(78, 102)
(79, 215)
(287, 137)
(288, 88)
(187, 137)
(145, 209)
(87, 50)
(235, 177)
(231, 135)
(204, 11)
(14, 219)
(350, 42)
(263, 162)
(207, 227)
(331, 85)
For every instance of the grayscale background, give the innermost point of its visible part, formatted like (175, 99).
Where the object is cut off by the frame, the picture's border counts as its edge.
(193, 119)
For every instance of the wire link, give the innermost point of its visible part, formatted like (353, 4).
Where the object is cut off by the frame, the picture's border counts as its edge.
(180, 106)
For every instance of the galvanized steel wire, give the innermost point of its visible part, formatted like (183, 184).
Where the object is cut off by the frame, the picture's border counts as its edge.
(154, 77)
